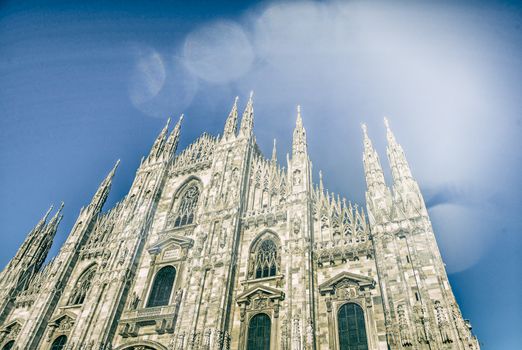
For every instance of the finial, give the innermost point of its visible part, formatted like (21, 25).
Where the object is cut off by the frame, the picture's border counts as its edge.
(299, 120)
(48, 212)
(251, 95)
(57, 215)
(364, 128)
(181, 117)
(321, 179)
(274, 151)
(233, 111)
(389, 133)
(113, 170)
(386, 123)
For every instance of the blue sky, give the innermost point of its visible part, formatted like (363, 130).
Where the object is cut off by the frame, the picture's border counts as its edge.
(85, 83)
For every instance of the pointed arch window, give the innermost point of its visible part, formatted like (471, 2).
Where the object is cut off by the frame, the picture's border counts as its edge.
(187, 206)
(9, 345)
(82, 286)
(259, 333)
(162, 287)
(352, 331)
(59, 343)
(264, 259)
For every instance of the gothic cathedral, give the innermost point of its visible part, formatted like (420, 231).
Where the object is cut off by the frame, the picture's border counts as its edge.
(219, 247)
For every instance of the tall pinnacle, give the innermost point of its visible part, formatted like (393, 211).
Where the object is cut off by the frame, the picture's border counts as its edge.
(231, 123)
(32, 237)
(33, 251)
(274, 153)
(43, 220)
(172, 142)
(372, 165)
(46, 238)
(247, 121)
(57, 216)
(299, 137)
(399, 166)
(159, 143)
(378, 195)
(102, 193)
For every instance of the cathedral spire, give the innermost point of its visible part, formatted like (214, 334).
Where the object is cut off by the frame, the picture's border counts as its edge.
(43, 220)
(31, 238)
(372, 165)
(55, 220)
(29, 258)
(102, 193)
(46, 238)
(172, 142)
(274, 153)
(299, 139)
(247, 121)
(159, 143)
(231, 123)
(399, 166)
(378, 195)
(406, 191)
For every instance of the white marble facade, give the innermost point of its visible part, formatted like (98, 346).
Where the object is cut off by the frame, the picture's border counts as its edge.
(216, 240)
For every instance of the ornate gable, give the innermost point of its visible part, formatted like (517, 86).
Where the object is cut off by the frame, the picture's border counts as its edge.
(260, 292)
(346, 280)
(168, 240)
(11, 330)
(260, 299)
(61, 324)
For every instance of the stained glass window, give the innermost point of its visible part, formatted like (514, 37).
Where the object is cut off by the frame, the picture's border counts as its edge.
(162, 287)
(352, 331)
(59, 343)
(265, 259)
(82, 286)
(259, 333)
(187, 207)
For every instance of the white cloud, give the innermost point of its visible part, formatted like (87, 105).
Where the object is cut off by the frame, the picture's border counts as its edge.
(218, 52)
(160, 87)
(460, 235)
(148, 76)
